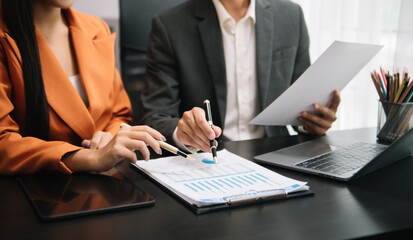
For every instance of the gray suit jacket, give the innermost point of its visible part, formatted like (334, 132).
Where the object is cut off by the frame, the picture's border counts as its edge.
(186, 65)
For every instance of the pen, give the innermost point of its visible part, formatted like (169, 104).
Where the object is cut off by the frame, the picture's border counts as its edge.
(209, 118)
(166, 146)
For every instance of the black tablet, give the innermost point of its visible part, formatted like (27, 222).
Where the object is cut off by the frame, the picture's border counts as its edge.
(56, 196)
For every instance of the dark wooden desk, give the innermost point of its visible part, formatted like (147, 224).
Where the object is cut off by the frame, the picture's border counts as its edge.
(379, 205)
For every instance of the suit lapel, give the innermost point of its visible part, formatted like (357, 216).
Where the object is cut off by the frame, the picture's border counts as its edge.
(211, 39)
(13, 48)
(264, 38)
(61, 95)
(96, 75)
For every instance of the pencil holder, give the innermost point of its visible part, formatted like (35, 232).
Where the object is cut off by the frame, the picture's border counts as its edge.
(394, 119)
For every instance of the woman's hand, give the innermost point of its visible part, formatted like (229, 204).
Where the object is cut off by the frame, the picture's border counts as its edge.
(99, 140)
(121, 146)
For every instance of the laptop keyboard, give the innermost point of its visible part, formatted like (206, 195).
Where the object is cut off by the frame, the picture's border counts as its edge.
(344, 159)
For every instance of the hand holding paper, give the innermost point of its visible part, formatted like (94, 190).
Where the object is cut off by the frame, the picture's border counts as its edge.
(332, 70)
(318, 124)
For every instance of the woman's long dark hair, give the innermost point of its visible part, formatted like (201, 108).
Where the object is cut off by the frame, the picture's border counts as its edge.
(18, 17)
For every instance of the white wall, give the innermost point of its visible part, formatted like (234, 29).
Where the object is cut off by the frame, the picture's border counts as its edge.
(107, 10)
(384, 22)
(101, 8)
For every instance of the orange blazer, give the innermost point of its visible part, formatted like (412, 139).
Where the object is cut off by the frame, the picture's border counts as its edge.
(70, 120)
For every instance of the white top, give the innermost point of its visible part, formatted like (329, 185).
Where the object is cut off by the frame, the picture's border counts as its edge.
(75, 80)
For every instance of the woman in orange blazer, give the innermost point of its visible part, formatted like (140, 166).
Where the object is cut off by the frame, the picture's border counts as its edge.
(48, 122)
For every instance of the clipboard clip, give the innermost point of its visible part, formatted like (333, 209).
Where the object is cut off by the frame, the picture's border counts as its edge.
(252, 196)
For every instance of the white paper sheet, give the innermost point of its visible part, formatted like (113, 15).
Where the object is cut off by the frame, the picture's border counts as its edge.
(332, 70)
(204, 184)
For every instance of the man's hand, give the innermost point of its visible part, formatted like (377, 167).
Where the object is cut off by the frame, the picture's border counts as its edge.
(319, 124)
(194, 130)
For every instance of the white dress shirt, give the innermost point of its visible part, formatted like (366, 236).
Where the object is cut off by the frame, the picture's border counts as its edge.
(241, 72)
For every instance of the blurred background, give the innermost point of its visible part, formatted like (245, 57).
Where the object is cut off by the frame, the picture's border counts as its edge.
(384, 22)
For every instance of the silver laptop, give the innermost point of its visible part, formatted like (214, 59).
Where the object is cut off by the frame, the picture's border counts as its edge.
(340, 159)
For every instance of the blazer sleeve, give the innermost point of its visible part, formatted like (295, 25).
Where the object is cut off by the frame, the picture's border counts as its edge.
(24, 155)
(160, 99)
(302, 61)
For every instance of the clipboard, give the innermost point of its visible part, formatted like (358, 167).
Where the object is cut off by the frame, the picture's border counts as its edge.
(230, 205)
(229, 201)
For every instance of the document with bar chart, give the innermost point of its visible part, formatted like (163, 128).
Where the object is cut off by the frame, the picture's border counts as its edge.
(232, 180)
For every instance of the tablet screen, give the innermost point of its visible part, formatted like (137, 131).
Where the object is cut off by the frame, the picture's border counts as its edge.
(56, 196)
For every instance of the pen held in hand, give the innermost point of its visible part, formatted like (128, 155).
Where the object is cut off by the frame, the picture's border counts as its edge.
(174, 150)
(166, 146)
(209, 119)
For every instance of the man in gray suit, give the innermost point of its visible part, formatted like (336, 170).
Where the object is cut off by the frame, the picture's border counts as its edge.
(239, 54)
